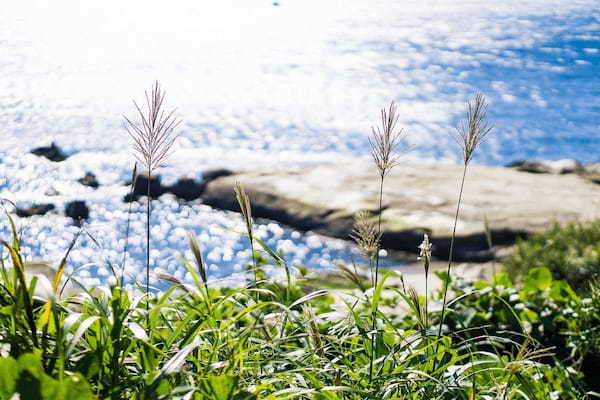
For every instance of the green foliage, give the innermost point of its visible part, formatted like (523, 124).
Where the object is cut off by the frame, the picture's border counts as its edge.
(571, 253)
(542, 310)
(25, 377)
(277, 340)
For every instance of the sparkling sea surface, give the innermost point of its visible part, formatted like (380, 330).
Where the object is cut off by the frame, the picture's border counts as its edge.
(262, 84)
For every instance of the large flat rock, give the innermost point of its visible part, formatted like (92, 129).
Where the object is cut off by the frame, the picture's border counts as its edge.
(417, 198)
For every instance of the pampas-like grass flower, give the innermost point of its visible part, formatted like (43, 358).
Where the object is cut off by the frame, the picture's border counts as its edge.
(152, 141)
(472, 131)
(386, 140)
(153, 135)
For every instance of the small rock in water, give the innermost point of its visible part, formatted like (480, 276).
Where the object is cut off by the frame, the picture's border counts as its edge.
(141, 188)
(89, 180)
(36, 209)
(52, 153)
(565, 166)
(77, 210)
(187, 189)
(51, 191)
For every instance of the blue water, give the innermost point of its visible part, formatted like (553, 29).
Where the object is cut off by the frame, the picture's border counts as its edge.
(257, 86)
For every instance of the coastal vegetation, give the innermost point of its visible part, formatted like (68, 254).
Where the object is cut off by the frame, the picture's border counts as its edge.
(571, 253)
(536, 338)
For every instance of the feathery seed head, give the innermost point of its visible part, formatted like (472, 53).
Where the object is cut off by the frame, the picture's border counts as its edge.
(365, 234)
(385, 141)
(472, 131)
(153, 134)
(193, 243)
(244, 202)
(164, 276)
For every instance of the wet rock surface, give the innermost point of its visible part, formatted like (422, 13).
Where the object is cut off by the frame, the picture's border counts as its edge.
(591, 172)
(565, 166)
(140, 188)
(418, 198)
(52, 153)
(77, 210)
(187, 189)
(89, 180)
(35, 209)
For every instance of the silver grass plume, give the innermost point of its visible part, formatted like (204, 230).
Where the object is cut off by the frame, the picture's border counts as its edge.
(472, 131)
(153, 135)
(386, 140)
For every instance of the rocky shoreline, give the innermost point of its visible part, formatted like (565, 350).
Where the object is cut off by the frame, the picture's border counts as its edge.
(419, 198)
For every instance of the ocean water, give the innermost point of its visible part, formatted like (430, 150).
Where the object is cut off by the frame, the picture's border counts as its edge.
(264, 84)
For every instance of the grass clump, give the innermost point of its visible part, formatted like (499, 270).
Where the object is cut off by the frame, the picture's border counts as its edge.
(571, 253)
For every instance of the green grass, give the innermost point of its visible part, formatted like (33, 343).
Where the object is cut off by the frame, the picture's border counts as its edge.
(274, 341)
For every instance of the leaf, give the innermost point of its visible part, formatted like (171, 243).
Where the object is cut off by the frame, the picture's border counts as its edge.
(33, 383)
(173, 364)
(378, 290)
(308, 297)
(278, 259)
(56, 282)
(221, 387)
(79, 333)
(528, 316)
(539, 278)
(9, 373)
(561, 291)
(137, 331)
(502, 279)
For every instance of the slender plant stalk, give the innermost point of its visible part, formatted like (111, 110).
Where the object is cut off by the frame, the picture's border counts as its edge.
(451, 253)
(148, 211)
(383, 150)
(128, 224)
(470, 134)
(374, 313)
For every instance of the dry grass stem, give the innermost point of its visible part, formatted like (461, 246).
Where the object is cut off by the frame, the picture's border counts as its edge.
(386, 140)
(153, 135)
(472, 131)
